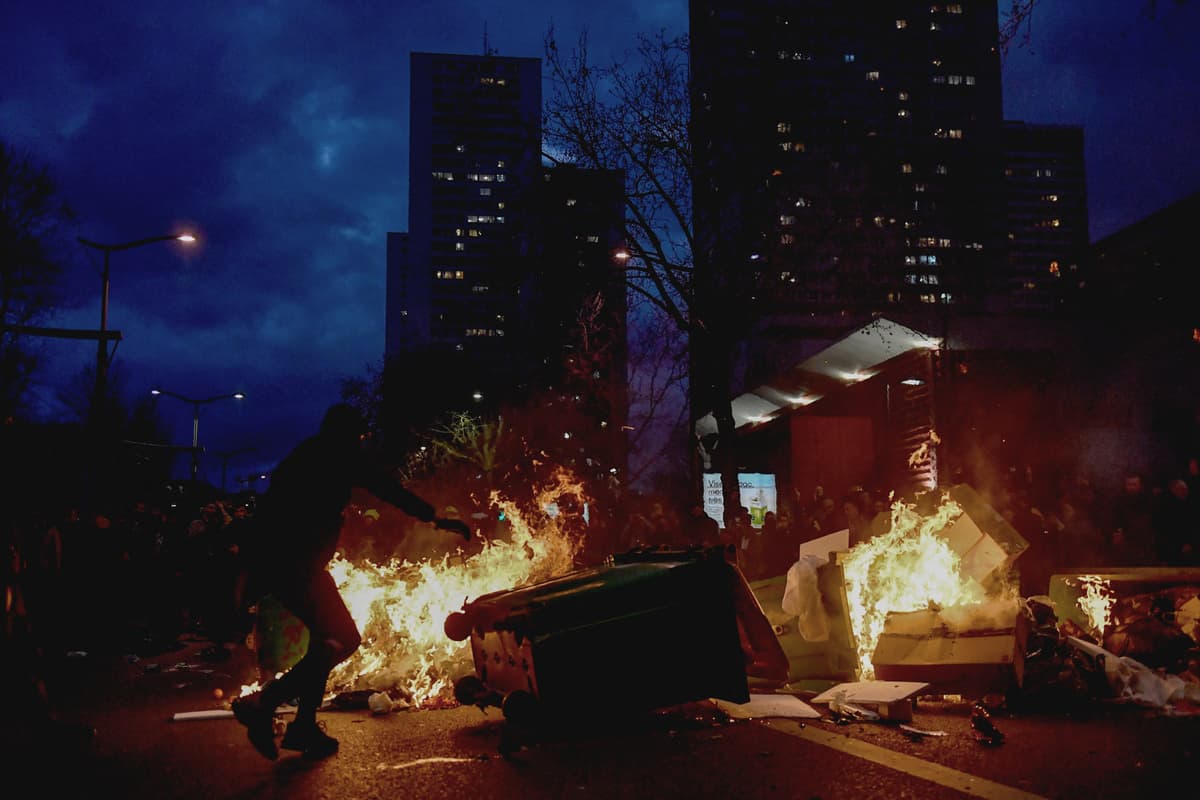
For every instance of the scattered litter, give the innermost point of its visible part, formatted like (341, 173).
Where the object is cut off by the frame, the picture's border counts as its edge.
(891, 700)
(986, 731)
(212, 713)
(916, 734)
(762, 706)
(380, 703)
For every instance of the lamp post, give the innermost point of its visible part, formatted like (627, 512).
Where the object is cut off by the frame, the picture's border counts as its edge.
(196, 403)
(107, 249)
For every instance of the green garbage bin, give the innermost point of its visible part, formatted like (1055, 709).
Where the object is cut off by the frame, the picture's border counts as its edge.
(654, 628)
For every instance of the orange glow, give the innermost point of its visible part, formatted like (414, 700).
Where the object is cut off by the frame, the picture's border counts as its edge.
(909, 568)
(1096, 602)
(400, 607)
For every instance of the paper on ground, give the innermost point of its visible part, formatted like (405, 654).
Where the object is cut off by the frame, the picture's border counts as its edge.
(871, 691)
(769, 705)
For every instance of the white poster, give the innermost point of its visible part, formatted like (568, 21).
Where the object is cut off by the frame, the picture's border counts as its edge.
(757, 490)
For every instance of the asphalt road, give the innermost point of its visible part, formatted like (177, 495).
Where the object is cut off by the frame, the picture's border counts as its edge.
(689, 751)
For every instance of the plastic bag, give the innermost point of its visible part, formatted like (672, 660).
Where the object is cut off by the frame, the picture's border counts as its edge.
(802, 598)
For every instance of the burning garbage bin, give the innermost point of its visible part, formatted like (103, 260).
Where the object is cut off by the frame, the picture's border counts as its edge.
(650, 629)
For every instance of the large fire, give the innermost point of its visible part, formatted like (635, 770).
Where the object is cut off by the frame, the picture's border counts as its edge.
(908, 568)
(400, 606)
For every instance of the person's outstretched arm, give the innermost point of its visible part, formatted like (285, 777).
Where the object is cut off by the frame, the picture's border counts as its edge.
(380, 482)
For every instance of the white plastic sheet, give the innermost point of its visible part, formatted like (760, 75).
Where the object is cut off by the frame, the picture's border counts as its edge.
(802, 598)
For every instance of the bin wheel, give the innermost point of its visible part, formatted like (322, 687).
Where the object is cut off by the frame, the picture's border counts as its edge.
(520, 707)
(469, 690)
(458, 626)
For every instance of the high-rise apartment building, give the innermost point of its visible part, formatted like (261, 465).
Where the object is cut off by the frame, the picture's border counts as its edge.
(1047, 217)
(474, 160)
(848, 157)
(509, 280)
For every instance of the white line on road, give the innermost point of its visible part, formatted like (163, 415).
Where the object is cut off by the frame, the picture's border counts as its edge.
(911, 765)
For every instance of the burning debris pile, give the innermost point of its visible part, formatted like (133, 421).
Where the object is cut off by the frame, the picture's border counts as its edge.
(938, 565)
(1128, 636)
(400, 606)
(934, 597)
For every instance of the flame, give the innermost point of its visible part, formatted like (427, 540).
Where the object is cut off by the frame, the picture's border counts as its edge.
(400, 607)
(1096, 601)
(908, 568)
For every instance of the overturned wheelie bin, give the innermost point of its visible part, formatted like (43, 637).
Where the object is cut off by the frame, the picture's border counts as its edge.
(649, 629)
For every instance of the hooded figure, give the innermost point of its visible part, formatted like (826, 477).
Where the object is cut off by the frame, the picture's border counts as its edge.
(298, 523)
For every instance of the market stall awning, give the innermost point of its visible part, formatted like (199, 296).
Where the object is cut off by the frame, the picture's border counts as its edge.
(852, 359)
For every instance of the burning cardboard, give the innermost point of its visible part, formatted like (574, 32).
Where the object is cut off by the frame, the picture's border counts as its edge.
(984, 540)
(963, 650)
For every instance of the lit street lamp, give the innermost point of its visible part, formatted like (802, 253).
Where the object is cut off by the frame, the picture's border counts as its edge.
(196, 417)
(101, 347)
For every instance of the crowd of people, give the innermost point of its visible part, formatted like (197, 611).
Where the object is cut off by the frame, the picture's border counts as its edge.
(136, 580)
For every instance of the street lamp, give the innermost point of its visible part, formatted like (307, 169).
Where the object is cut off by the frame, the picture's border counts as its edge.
(101, 347)
(196, 417)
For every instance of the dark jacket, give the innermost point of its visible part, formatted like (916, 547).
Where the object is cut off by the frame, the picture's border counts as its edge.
(299, 519)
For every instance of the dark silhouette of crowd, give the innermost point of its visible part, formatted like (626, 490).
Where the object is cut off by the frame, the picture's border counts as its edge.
(140, 579)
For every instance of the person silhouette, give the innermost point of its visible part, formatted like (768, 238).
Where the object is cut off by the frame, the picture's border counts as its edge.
(298, 523)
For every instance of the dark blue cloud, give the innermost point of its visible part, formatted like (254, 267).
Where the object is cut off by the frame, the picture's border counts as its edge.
(278, 130)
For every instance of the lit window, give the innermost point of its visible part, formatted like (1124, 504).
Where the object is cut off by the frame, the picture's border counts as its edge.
(902, 96)
(787, 219)
(969, 80)
(443, 176)
(940, 169)
(873, 75)
(848, 58)
(593, 238)
(459, 148)
(955, 133)
(785, 147)
(459, 246)
(918, 187)
(954, 80)
(954, 8)
(485, 191)
(939, 78)
(901, 24)
(906, 169)
(1054, 270)
(783, 127)
(798, 147)
(570, 201)
(903, 112)
(499, 165)
(787, 238)
(910, 261)
(933, 26)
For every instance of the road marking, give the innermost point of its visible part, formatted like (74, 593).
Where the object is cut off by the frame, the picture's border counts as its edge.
(421, 761)
(917, 767)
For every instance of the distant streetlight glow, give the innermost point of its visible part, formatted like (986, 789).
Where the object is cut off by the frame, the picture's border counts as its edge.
(107, 249)
(196, 403)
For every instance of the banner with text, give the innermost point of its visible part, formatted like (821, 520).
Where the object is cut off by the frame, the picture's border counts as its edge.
(757, 490)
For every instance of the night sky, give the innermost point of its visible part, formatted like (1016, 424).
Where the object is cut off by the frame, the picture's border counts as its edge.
(278, 133)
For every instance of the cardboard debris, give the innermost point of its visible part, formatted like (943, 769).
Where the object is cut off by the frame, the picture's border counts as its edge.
(891, 700)
(836, 542)
(921, 646)
(985, 541)
(762, 706)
